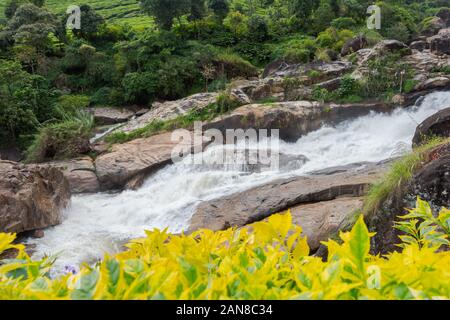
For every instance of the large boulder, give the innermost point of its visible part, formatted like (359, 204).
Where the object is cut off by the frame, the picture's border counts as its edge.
(170, 110)
(256, 204)
(80, 174)
(392, 46)
(323, 220)
(31, 197)
(433, 84)
(432, 26)
(354, 45)
(128, 164)
(440, 43)
(293, 119)
(432, 182)
(436, 125)
(109, 115)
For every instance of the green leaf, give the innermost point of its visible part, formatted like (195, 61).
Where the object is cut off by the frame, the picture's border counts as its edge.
(85, 286)
(360, 243)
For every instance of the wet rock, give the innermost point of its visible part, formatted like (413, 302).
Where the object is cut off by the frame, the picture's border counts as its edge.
(109, 115)
(436, 125)
(80, 173)
(293, 119)
(256, 204)
(139, 157)
(31, 197)
(354, 45)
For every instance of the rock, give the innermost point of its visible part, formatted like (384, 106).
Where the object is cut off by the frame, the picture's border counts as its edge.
(274, 67)
(240, 96)
(326, 69)
(433, 83)
(354, 45)
(392, 46)
(423, 62)
(419, 45)
(136, 158)
(170, 110)
(31, 197)
(433, 26)
(80, 174)
(293, 119)
(436, 125)
(440, 43)
(37, 234)
(323, 220)
(11, 154)
(444, 14)
(108, 115)
(256, 204)
(432, 182)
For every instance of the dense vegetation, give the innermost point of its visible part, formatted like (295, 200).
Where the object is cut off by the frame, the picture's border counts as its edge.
(133, 53)
(270, 260)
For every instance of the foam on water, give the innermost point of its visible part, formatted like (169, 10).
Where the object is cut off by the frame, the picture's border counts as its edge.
(99, 223)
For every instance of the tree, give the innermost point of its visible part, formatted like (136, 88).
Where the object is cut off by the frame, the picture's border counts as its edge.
(24, 102)
(165, 11)
(236, 22)
(301, 9)
(91, 21)
(198, 10)
(258, 29)
(220, 8)
(11, 7)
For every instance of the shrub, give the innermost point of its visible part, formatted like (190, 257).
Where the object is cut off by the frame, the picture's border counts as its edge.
(343, 23)
(71, 104)
(268, 261)
(66, 139)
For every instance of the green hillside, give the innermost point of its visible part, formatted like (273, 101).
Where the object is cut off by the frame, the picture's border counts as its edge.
(114, 10)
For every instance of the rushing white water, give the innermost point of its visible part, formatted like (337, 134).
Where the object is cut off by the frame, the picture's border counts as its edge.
(99, 223)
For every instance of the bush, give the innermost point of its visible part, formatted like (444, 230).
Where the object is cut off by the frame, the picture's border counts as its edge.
(343, 23)
(66, 139)
(268, 261)
(71, 104)
(296, 50)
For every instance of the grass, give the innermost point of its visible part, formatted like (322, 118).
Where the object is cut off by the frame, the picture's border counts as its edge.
(400, 174)
(117, 11)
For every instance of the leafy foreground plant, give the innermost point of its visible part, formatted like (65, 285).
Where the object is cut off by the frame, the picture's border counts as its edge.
(269, 260)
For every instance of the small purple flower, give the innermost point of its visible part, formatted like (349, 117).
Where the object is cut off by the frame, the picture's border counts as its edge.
(70, 269)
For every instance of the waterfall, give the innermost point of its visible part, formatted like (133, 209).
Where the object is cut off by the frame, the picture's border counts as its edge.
(99, 223)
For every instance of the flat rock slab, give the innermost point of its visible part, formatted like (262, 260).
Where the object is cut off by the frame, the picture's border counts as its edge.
(322, 220)
(80, 173)
(256, 204)
(293, 119)
(135, 160)
(170, 110)
(108, 115)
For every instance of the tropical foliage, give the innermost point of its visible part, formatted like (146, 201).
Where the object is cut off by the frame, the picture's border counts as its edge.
(268, 260)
